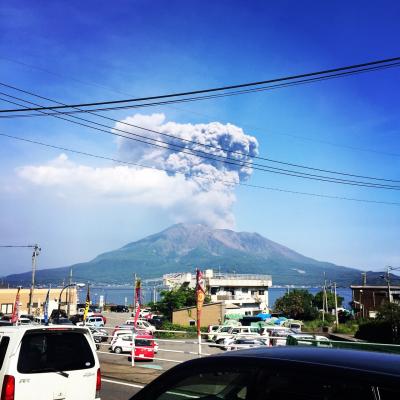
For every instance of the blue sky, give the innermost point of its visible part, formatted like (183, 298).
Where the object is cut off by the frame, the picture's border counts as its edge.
(92, 51)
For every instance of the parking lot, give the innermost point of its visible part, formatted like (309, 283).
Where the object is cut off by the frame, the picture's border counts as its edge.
(173, 350)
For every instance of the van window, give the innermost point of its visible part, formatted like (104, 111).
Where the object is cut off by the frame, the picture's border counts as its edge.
(3, 349)
(48, 350)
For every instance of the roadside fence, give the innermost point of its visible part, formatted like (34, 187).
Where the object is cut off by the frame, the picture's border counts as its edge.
(196, 348)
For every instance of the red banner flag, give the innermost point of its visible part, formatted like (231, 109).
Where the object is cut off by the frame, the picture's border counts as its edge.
(15, 313)
(200, 296)
(137, 301)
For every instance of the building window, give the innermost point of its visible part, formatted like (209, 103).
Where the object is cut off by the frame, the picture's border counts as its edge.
(192, 322)
(214, 290)
(245, 290)
(261, 292)
(7, 308)
(253, 292)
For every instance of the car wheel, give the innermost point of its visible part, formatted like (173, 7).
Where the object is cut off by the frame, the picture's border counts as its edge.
(118, 350)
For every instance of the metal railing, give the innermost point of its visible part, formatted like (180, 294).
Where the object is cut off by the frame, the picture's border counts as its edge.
(197, 349)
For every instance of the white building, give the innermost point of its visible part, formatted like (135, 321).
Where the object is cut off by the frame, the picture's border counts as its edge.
(246, 293)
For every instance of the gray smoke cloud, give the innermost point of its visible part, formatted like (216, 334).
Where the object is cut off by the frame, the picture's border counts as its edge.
(211, 181)
(222, 140)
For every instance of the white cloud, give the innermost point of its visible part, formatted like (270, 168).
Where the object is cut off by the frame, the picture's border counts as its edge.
(193, 189)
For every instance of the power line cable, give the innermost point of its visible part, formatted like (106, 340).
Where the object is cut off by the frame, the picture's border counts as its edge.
(219, 158)
(341, 71)
(95, 84)
(198, 143)
(228, 183)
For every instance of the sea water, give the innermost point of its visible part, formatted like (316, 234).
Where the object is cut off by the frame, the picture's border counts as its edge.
(124, 295)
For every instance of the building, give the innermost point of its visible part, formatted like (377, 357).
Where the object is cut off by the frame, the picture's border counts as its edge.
(7, 300)
(367, 299)
(247, 294)
(211, 314)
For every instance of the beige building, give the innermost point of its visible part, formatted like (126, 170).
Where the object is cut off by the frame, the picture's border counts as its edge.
(211, 314)
(7, 300)
(248, 293)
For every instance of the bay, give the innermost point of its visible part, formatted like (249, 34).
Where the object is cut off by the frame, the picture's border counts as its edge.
(124, 295)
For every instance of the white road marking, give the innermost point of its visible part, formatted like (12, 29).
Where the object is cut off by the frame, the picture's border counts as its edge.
(122, 383)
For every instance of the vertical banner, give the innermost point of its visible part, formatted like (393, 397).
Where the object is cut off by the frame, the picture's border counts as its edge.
(15, 313)
(200, 296)
(137, 300)
(87, 304)
(46, 308)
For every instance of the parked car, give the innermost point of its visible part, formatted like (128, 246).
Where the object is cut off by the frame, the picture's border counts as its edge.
(39, 320)
(119, 308)
(277, 334)
(211, 330)
(24, 321)
(144, 346)
(141, 324)
(41, 363)
(304, 339)
(221, 334)
(99, 335)
(281, 373)
(157, 321)
(75, 319)
(244, 343)
(92, 321)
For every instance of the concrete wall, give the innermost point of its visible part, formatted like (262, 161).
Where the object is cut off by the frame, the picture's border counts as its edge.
(7, 300)
(211, 314)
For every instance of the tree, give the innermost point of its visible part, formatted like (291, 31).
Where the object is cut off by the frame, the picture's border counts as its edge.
(318, 300)
(297, 304)
(176, 298)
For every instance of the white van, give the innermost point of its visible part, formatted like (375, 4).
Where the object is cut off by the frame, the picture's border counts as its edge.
(54, 362)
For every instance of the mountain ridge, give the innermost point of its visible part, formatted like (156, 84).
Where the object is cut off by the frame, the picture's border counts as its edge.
(183, 247)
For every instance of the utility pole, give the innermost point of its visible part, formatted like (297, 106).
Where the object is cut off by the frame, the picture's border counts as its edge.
(336, 311)
(388, 283)
(69, 294)
(134, 292)
(36, 251)
(323, 300)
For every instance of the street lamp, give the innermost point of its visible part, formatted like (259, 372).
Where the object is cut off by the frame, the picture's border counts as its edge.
(79, 285)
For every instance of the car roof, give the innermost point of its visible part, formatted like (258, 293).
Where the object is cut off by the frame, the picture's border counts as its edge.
(367, 361)
(21, 329)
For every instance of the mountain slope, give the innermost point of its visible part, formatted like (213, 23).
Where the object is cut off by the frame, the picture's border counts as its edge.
(183, 247)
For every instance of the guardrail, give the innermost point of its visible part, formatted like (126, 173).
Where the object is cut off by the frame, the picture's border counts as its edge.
(197, 350)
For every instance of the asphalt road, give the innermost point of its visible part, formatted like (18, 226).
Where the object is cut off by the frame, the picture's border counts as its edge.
(117, 390)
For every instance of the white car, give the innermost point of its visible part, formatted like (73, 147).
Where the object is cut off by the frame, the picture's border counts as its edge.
(94, 321)
(48, 362)
(277, 334)
(141, 324)
(233, 331)
(123, 344)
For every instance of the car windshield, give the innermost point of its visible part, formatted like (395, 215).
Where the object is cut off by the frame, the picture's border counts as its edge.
(56, 350)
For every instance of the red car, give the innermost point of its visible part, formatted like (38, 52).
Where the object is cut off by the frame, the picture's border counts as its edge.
(144, 346)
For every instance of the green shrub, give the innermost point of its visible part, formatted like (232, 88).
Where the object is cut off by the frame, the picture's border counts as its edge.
(190, 332)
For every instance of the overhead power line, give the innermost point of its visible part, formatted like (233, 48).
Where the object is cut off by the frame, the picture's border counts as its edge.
(223, 159)
(208, 115)
(11, 245)
(334, 72)
(228, 183)
(192, 141)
